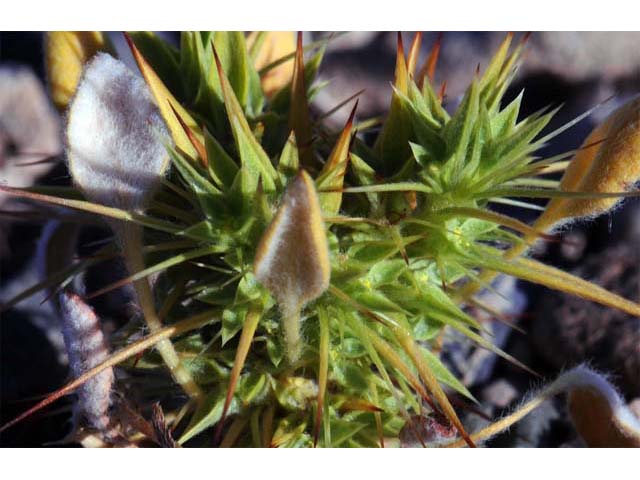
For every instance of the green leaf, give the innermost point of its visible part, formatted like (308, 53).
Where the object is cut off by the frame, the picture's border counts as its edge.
(503, 152)
(333, 172)
(386, 272)
(161, 266)
(536, 272)
(424, 329)
(254, 159)
(251, 153)
(203, 230)
(392, 143)
(372, 252)
(504, 122)
(457, 133)
(365, 175)
(376, 301)
(491, 76)
(444, 375)
(207, 415)
(232, 322)
(289, 163)
(234, 57)
(222, 168)
(343, 430)
(204, 371)
(233, 318)
(163, 57)
(434, 104)
(275, 350)
(190, 62)
(253, 387)
(210, 198)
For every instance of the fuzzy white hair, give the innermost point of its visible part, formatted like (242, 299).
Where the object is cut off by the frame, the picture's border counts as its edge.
(114, 136)
(87, 347)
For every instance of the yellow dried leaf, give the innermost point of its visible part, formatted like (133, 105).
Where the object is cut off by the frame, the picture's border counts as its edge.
(275, 45)
(66, 53)
(167, 104)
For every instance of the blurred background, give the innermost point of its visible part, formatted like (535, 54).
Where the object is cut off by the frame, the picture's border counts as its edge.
(576, 69)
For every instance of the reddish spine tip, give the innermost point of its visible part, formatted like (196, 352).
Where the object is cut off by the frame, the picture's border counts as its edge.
(299, 42)
(400, 44)
(202, 153)
(129, 40)
(417, 40)
(182, 124)
(137, 56)
(443, 90)
(299, 59)
(429, 68)
(352, 115)
(217, 59)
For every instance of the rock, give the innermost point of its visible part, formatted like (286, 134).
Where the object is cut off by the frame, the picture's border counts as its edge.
(473, 364)
(29, 131)
(580, 55)
(569, 330)
(500, 393)
(634, 406)
(573, 245)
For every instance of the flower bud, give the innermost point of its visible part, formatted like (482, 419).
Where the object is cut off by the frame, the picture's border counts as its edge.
(292, 260)
(608, 167)
(114, 133)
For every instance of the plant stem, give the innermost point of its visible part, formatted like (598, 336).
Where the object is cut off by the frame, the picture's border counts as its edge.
(131, 238)
(291, 327)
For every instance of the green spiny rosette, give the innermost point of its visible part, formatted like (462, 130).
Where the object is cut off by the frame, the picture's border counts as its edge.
(305, 275)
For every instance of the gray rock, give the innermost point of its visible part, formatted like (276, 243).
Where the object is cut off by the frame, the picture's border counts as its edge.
(499, 393)
(29, 131)
(569, 330)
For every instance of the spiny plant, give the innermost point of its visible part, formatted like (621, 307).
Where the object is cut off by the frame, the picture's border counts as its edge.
(295, 281)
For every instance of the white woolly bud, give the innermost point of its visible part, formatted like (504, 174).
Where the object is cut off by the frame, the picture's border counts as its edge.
(113, 136)
(87, 348)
